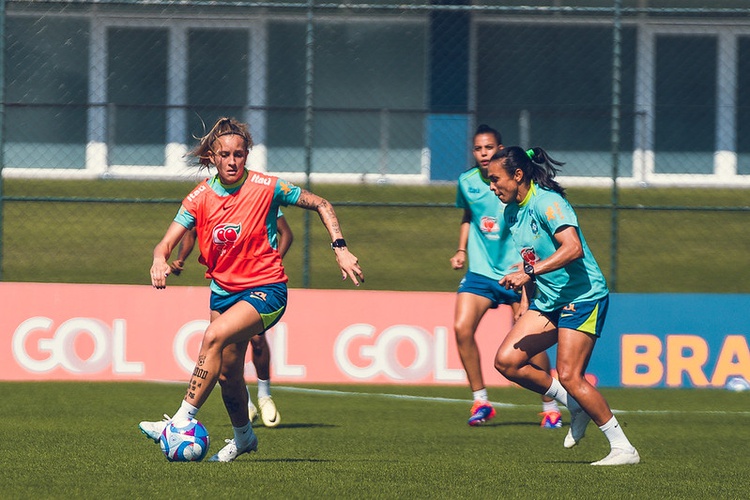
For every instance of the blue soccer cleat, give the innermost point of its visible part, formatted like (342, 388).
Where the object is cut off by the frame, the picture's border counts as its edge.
(481, 411)
(551, 419)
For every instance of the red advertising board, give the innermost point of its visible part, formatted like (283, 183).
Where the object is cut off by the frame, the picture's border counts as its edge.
(121, 332)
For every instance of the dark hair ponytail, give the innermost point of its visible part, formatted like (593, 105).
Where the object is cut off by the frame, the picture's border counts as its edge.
(535, 163)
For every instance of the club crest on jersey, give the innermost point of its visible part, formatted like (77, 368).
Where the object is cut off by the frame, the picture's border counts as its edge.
(529, 256)
(226, 234)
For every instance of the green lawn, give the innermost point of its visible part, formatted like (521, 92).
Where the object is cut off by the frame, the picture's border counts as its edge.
(81, 440)
(402, 246)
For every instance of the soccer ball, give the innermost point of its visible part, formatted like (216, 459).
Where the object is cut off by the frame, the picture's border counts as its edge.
(184, 441)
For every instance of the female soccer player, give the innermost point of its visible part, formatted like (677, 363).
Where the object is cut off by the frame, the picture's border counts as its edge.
(571, 295)
(234, 213)
(485, 240)
(261, 352)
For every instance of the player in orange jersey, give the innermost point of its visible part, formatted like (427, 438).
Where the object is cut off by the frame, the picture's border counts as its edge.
(261, 352)
(234, 213)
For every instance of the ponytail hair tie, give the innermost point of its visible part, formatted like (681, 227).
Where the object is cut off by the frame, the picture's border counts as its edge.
(530, 154)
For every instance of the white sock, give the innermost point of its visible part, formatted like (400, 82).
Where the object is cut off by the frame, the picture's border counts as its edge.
(186, 411)
(557, 392)
(615, 435)
(264, 388)
(481, 395)
(243, 434)
(550, 406)
(249, 399)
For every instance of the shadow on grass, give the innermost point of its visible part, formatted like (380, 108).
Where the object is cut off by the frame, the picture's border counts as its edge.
(293, 460)
(513, 424)
(297, 426)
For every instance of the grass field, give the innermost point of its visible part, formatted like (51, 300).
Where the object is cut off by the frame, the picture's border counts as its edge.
(81, 440)
(400, 247)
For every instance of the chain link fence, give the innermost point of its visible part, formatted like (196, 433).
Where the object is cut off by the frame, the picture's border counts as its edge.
(373, 105)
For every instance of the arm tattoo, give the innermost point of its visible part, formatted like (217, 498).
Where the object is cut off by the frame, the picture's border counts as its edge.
(307, 200)
(323, 207)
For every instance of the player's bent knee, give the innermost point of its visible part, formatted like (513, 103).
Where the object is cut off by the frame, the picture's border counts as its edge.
(508, 366)
(502, 366)
(464, 334)
(212, 341)
(568, 377)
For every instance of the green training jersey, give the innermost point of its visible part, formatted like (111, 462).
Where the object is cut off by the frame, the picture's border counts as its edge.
(533, 224)
(490, 247)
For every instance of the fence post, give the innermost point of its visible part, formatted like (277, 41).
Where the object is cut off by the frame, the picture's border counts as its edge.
(309, 116)
(616, 95)
(2, 126)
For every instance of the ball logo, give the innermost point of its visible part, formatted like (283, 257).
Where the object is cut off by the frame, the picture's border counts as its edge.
(226, 234)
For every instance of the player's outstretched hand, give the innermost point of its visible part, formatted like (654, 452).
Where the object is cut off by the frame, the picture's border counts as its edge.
(159, 272)
(177, 266)
(349, 265)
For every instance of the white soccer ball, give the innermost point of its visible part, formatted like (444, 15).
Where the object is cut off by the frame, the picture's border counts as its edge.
(184, 441)
(738, 384)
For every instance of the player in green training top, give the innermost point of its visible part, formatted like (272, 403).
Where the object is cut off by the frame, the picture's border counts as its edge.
(571, 298)
(485, 240)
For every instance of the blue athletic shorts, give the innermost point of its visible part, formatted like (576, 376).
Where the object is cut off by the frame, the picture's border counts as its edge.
(268, 300)
(585, 316)
(488, 288)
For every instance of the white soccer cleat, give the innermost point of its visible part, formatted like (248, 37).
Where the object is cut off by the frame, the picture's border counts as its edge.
(578, 422)
(252, 411)
(153, 430)
(618, 456)
(229, 452)
(268, 412)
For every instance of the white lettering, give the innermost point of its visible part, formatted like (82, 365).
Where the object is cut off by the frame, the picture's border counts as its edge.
(119, 338)
(19, 345)
(66, 336)
(341, 354)
(277, 341)
(259, 179)
(109, 346)
(196, 192)
(442, 372)
(381, 353)
(387, 348)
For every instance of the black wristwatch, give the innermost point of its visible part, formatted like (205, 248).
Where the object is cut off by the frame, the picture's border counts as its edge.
(339, 243)
(529, 269)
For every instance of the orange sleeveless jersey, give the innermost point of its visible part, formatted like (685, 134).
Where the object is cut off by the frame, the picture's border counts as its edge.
(232, 232)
